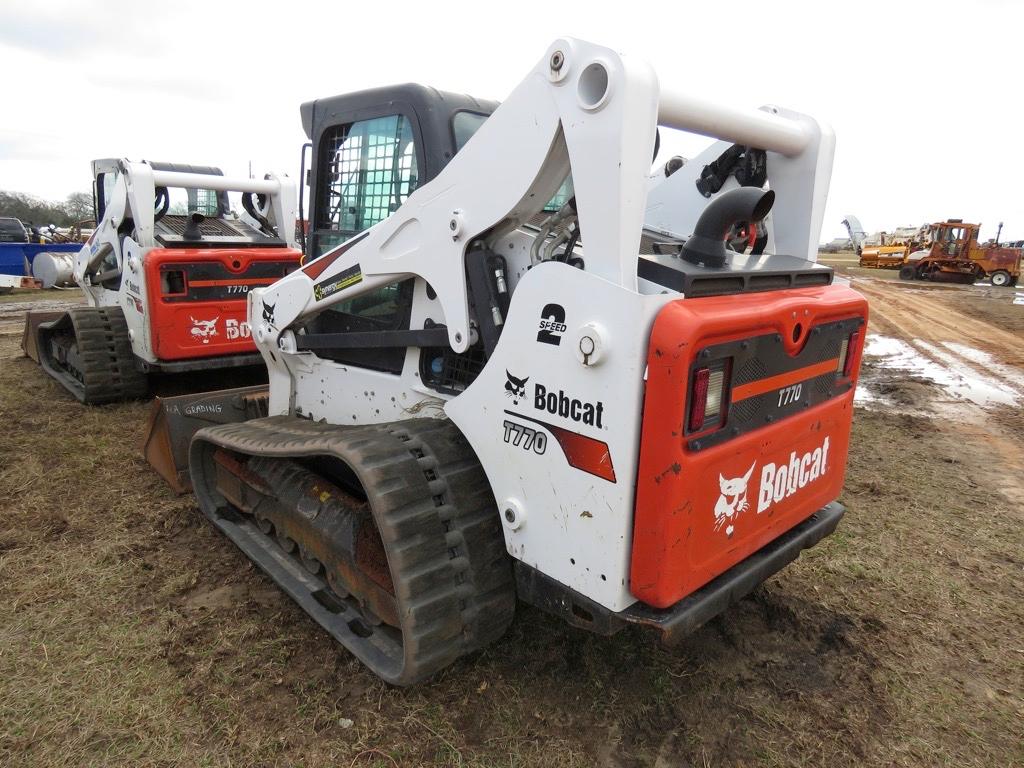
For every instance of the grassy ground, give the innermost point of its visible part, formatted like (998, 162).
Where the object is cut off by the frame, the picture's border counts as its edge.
(848, 263)
(21, 294)
(131, 633)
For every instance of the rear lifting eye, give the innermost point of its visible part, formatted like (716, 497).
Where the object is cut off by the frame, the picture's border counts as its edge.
(797, 330)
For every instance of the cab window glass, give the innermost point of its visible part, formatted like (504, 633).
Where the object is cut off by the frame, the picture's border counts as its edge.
(367, 170)
(106, 189)
(561, 196)
(464, 125)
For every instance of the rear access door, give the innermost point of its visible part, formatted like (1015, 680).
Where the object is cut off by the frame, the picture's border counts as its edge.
(197, 297)
(746, 428)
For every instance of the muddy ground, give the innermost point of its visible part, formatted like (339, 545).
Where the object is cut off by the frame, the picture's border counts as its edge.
(131, 633)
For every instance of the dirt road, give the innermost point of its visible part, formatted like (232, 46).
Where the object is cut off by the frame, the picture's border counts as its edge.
(131, 633)
(956, 353)
(978, 316)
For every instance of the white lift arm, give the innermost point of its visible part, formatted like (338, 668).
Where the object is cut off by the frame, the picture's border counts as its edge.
(584, 109)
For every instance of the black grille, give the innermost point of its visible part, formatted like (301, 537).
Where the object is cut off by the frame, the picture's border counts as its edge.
(745, 410)
(763, 357)
(824, 385)
(207, 228)
(752, 370)
(450, 372)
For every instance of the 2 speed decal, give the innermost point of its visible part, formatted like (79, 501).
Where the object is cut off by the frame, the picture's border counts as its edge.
(552, 324)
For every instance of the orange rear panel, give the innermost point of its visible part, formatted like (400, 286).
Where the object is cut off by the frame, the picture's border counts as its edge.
(197, 297)
(707, 500)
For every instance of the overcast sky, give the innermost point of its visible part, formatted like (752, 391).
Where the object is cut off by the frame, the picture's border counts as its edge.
(925, 97)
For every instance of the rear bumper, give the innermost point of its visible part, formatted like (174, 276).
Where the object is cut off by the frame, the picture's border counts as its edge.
(237, 360)
(689, 614)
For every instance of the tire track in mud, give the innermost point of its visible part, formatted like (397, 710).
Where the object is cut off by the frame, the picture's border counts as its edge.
(922, 313)
(951, 339)
(943, 334)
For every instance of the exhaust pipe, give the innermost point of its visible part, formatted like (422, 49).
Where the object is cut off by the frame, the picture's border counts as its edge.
(192, 231)
(707, 244)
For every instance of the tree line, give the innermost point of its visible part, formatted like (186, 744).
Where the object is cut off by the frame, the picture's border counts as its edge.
(31, 210)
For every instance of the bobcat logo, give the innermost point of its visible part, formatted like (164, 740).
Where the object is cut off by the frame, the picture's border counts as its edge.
(268, 312)
(732, 501)
(204, 329)
(515, 388)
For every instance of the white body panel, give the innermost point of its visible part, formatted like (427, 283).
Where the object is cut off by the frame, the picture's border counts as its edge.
(569, 524)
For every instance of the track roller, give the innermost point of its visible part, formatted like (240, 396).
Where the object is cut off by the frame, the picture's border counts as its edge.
(387, 535)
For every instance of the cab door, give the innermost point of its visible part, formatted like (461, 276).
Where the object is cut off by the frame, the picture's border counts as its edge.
(104, 174)
(951, 243)
(365, 170)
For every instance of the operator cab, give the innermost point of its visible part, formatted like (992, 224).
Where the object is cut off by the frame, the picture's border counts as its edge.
(949, 238)
(370, 151)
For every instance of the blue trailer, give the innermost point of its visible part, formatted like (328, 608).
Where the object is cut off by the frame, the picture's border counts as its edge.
(16, 262)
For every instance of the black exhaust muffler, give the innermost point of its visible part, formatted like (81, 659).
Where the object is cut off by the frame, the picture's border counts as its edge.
(707, 244)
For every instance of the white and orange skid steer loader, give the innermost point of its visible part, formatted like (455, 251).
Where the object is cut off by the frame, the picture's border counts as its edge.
(165, 275)
(519, 365)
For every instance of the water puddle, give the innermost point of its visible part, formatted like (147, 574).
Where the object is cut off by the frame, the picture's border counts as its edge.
(961, 373)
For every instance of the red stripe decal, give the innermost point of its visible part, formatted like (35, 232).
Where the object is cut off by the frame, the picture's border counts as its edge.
(316, 267)
(761, 386)
(582, 452)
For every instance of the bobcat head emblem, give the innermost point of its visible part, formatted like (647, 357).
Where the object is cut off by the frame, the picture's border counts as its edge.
(268, 312)
(515, 388)
(204, 329)
(732, 501)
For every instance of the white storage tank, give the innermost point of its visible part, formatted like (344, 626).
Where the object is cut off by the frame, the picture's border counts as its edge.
(54, 269)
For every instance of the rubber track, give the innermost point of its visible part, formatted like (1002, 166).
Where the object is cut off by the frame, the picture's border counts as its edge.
(436, 514)
(107, 364)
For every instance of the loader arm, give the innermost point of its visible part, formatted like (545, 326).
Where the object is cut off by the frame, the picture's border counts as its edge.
(583, 109)
(527, 145)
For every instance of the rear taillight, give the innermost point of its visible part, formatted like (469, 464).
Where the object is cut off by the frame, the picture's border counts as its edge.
(707, 392)
(848, 354)
(173, 282)
(698, 398)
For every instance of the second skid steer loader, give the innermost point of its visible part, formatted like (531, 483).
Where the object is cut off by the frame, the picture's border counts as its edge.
(592, 405)
(165, 274)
